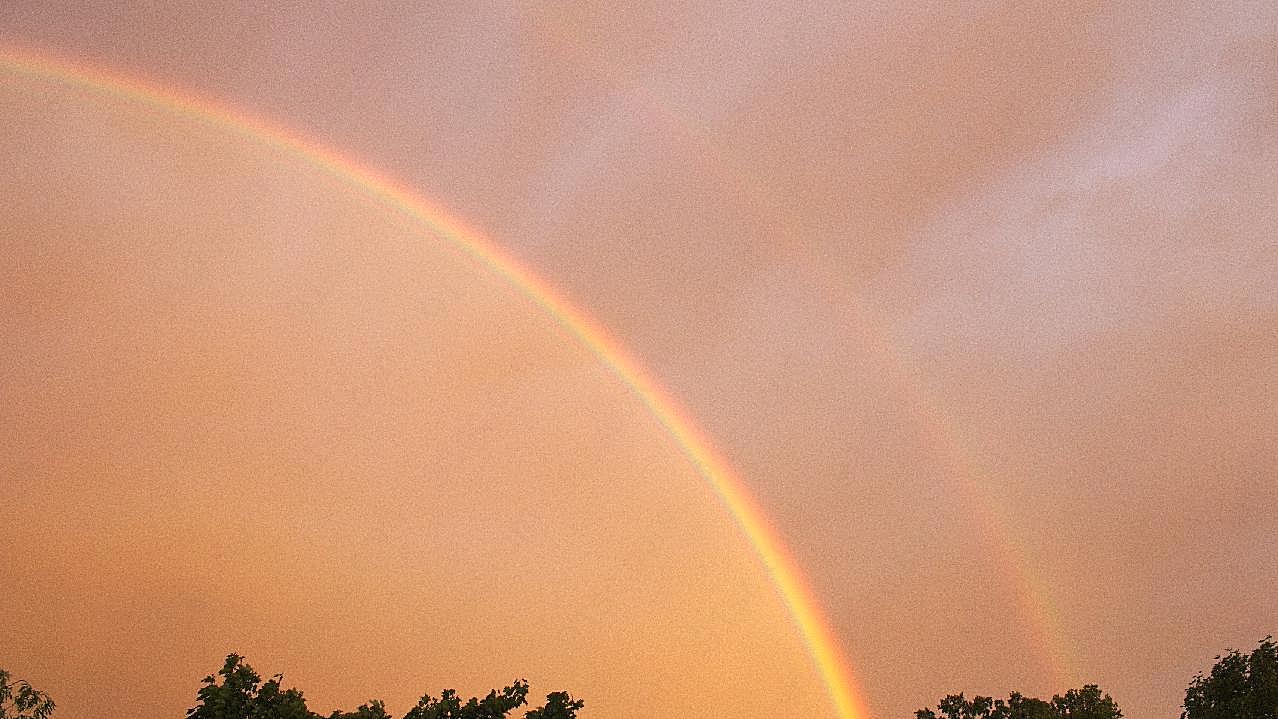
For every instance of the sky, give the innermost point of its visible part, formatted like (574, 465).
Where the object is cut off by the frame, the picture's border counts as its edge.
(979, 300)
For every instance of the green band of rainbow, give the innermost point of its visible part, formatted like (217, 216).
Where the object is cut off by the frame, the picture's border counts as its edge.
(781, 567)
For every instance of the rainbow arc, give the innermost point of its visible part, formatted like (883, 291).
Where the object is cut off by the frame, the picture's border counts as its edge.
(829, 660)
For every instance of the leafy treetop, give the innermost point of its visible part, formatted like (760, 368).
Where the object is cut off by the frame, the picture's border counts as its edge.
(1085, 703)
(238, 692)
(1240, 686)
(19, 701)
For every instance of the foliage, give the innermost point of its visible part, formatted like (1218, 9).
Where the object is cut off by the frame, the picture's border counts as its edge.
(241, 694)
(1085, 703)
(19, 701)
(1240, 686)
(372, 710)
(493, 706)
(559, 705)
(237, 692)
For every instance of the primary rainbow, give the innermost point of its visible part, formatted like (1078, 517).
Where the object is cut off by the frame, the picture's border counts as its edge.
(830, 662)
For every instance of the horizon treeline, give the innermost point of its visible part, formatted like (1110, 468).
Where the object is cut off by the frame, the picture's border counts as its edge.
(1239, 686)
(237, 691)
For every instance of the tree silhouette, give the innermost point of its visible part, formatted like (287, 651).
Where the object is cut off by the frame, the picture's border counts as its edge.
(238, 692)
(1240, 686)
(19, 701)
(372, 710)
(559, 705)
(449, 706)
(1085, 703)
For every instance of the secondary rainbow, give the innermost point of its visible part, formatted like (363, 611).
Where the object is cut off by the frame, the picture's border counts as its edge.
(830, 662)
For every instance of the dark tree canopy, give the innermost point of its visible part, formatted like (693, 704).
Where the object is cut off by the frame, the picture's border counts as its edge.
(1240, 686)
(1085, 703)
(559, 705)
(238, 692)
(372, 710)
(19, 701)
(449, 706)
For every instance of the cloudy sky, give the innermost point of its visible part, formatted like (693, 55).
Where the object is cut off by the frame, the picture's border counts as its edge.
(979, 299)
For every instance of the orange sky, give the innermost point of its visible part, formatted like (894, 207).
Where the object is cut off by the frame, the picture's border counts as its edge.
(981, 303)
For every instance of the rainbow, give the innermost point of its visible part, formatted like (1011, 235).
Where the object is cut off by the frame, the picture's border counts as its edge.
(829, 660)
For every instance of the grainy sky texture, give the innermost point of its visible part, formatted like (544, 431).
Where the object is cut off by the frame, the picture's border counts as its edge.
(980, 299)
